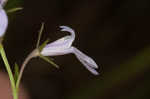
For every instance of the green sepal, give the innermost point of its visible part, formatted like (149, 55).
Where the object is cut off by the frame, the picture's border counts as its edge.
(43, 45)
(40, 34)
(49, 60)
(16, 72)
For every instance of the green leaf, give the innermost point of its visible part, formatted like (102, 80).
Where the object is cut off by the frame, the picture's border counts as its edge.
(16, 72)
(13, 3)
(49, 60)
(14, 9)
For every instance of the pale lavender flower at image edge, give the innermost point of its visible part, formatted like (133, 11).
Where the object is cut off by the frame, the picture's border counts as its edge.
(3, 21)
(3, 2)
(64, 46)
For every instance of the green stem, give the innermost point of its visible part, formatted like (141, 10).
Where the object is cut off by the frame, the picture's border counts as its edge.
(33, 54)
(10, 74)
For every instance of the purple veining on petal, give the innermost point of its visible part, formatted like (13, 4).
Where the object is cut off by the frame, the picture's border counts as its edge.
(88, 62)
(85, 58)
(85, 61)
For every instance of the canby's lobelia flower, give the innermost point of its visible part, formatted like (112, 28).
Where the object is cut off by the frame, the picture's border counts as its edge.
(64, 46)
(3, 19)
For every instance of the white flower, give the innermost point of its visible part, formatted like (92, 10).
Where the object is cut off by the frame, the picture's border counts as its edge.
(64, 46)
(3, 21)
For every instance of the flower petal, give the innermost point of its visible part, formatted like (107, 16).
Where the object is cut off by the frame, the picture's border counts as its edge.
(68, 29)
(64, 42)
(55, 51)
(87, 61)
(3, 21)
(88, 67)
(3, 2)
(85, 58)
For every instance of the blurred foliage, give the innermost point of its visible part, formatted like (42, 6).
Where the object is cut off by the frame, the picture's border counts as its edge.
(14, 9)
(117, 78)
(13, 4)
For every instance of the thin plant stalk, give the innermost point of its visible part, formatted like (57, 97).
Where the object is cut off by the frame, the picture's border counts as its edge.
(10, 74)
(33, 54)
(29, 57)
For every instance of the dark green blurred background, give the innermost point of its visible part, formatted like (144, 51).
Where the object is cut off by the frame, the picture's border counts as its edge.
(115, 33)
